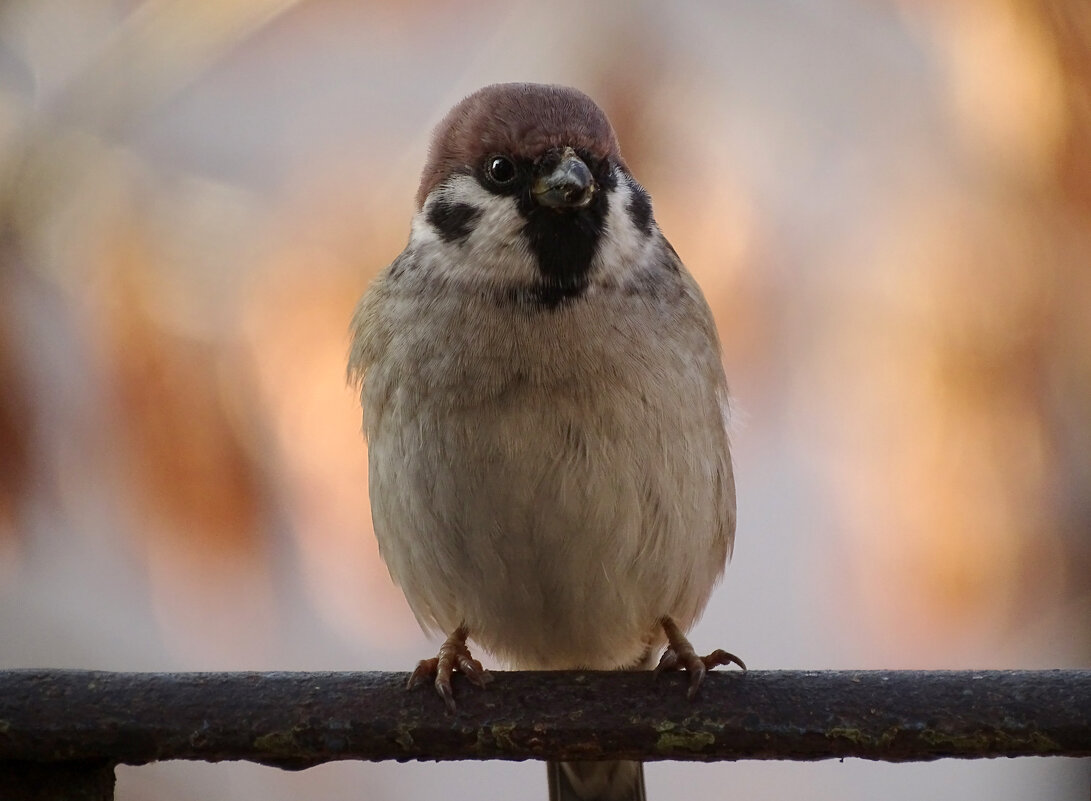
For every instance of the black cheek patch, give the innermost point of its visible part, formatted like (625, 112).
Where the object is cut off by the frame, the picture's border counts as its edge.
(453, 221)
(640, 208)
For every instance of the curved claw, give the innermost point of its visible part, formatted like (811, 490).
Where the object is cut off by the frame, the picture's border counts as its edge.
(722, 657)
(697, 673)
(472, 670)
(446, 692)
(425, 669)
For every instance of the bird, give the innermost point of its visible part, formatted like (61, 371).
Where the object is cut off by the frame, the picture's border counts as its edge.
(546, 411)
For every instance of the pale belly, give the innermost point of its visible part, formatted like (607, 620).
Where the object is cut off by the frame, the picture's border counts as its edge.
(558, 533)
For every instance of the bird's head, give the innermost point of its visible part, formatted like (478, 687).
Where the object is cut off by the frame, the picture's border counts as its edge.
(527, 181)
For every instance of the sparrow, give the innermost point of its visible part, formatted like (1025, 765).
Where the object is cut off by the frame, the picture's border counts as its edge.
(545, 409)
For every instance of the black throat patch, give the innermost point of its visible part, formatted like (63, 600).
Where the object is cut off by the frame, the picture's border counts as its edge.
(564, 242)
(544, 296)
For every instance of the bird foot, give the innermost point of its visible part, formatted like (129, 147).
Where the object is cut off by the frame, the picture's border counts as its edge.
(453, 655)
(681, 656)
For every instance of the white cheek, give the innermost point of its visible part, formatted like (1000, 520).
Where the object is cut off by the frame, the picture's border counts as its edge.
(623, 245)
(422, 236)
(495, 249)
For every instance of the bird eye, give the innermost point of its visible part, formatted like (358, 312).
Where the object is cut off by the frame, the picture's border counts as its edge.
(500, 170)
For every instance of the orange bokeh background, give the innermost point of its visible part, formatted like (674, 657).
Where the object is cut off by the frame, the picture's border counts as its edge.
(888, 205)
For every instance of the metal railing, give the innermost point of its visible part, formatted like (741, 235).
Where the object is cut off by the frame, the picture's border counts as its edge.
(62, 731)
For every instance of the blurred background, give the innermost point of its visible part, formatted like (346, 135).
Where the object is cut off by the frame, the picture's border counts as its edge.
(888, 204)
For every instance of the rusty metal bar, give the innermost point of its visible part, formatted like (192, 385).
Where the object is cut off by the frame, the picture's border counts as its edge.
(296, 720)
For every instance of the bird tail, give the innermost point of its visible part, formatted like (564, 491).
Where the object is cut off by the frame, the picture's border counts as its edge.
(617, 780)
(596, 781)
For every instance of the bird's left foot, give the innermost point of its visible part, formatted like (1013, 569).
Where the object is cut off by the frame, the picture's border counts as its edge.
(681, 656)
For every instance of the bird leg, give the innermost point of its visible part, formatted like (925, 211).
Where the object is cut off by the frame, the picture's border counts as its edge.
(453, 655)
(681, 656)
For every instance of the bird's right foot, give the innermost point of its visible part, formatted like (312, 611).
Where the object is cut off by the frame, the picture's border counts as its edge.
(453, 655)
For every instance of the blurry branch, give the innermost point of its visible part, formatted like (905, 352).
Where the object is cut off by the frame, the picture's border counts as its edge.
(296, 720)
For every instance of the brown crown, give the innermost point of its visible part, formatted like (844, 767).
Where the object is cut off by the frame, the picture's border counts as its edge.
(515, 119)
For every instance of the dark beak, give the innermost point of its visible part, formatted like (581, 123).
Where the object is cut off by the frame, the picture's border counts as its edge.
(568, 186)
